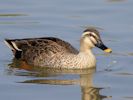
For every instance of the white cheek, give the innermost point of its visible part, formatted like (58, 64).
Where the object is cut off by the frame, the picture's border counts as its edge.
(94, 40)
(89, 42)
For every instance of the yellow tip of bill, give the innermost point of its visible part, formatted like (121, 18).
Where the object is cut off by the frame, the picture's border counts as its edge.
(108, 50)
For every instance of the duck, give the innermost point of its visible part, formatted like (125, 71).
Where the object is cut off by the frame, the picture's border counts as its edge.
(54, 52)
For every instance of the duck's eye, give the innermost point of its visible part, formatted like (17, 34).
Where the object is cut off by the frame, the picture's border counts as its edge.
(91, 35)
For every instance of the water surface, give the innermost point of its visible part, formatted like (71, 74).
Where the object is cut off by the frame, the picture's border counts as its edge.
(66, 19)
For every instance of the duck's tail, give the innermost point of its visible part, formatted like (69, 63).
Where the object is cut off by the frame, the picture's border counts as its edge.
(14, 47)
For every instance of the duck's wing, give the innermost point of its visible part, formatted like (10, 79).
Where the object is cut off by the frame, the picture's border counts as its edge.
(63, 43)
(36, 46)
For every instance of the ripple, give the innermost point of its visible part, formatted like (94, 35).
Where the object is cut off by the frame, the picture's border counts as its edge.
(12, 15)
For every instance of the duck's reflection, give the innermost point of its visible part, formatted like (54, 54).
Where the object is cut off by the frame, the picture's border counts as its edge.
(85, 80)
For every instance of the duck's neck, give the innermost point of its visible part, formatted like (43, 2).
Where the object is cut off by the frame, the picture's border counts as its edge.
(87, 57)
(87, 52)
(84, 47)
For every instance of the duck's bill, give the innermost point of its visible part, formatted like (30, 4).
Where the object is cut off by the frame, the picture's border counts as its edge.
(103, 47)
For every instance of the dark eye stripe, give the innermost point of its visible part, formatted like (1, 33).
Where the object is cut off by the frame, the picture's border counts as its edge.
(92, 41)
(91, 35)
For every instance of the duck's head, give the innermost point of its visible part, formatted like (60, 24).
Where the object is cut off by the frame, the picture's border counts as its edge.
(91, 38)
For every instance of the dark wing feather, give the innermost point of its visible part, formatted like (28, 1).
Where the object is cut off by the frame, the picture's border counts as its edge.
(23, 48)
(64, 44)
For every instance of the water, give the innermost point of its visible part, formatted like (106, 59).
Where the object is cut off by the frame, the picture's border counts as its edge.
(66, 19)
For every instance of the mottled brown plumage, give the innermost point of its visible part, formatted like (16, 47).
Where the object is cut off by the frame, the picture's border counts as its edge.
(56, 53)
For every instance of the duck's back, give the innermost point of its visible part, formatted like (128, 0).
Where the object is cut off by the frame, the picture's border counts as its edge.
(33, 49)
